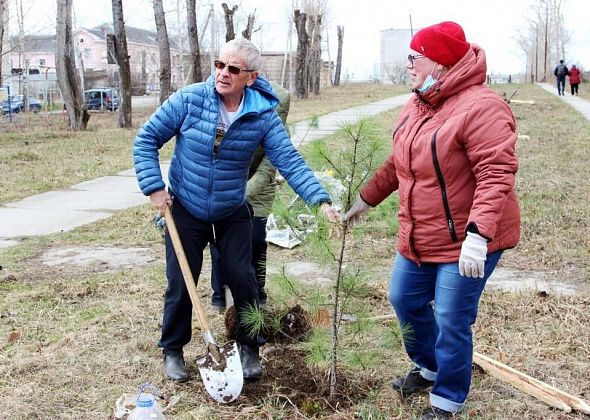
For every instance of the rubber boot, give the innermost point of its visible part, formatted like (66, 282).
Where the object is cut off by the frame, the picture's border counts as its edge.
(250, 362)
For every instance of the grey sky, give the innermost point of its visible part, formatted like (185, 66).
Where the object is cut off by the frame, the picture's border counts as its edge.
(492, 24)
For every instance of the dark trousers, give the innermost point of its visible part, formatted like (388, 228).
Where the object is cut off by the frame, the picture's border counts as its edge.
(560, 85)
(574, 87)
(233, 238)
(259, 248)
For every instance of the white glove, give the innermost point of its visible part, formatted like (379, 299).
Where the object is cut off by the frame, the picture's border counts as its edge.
(473, 255)
(356, 212)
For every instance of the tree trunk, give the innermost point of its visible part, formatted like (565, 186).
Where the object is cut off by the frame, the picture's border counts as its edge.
(340, 30)
(302, 51)
(196, 74)
(67, 76)
(229, 21)
(316, 56)
(247, 33)
(309, 63)
(164, 46)
(3, 7)
(123, 63)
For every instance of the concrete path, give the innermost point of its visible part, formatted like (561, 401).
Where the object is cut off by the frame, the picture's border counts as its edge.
(90, 201)
(303, 132)
(83, 203)
(579, 104)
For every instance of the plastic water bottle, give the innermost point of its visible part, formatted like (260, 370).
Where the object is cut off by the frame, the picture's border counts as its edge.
(146, 406)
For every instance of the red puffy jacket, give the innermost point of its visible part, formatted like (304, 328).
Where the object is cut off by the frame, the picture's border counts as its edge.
(454, 165)
(575, 75)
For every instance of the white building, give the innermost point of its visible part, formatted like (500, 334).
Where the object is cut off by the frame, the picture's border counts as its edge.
(395, 45)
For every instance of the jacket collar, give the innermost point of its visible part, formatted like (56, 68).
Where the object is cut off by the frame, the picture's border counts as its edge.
(259, 97)
(470, 70)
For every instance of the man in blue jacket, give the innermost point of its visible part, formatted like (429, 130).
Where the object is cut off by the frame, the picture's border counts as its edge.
(218, 125)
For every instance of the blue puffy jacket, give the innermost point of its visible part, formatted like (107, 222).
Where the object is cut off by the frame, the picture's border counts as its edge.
(213, 187)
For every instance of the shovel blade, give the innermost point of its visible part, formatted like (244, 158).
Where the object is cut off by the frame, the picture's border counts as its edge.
(224, 378)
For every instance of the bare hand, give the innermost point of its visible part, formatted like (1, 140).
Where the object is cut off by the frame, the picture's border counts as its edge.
(159, 200)
(330, 212)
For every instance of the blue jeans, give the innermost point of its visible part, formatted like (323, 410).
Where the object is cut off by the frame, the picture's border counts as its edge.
(438, 338)
(560, 85)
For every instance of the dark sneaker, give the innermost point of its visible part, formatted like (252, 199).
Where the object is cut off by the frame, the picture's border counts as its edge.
(411, 383)
(433, 413)
(174, 366)
(250, 362)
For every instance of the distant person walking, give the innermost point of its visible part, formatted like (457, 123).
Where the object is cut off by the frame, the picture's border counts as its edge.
(575, 79)
(560, 73)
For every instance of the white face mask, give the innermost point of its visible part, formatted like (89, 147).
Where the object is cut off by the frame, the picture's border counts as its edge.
(429, 81)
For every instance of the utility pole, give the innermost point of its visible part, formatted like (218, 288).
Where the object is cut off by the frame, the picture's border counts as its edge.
(536, 52)
(535, 75)
(178, 26)
(287, 55)
(546, 36)
(81, 55)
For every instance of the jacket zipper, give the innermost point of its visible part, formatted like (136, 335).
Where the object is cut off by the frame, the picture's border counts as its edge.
(443, 188)
(411, 237)
(399, 126)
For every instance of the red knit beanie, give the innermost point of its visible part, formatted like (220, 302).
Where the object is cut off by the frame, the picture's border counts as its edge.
(444, 43)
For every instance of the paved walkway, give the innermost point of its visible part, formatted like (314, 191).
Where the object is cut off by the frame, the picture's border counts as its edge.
(581, 105)
(90, 201)
(97, 199)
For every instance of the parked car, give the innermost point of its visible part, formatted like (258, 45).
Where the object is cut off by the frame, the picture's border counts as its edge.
(16, 104)
(102, 98)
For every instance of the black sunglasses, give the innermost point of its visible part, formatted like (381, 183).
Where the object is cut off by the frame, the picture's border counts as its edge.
(220, 65)
(411, 58)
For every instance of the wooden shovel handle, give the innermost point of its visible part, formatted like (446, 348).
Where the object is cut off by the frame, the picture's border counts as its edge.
(186, 271)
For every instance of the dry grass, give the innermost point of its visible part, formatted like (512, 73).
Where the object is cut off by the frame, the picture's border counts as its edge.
(341, 97)
(551, 183)
(72, 340)
(40, 154)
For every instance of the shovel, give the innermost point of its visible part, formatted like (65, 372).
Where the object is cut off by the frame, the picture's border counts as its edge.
(221, 367)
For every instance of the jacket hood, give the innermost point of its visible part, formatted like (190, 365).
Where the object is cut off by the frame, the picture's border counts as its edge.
(470, 70)
(259, 96)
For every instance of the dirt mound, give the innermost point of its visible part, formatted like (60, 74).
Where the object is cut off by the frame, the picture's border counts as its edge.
(289, 325)
(288, 377)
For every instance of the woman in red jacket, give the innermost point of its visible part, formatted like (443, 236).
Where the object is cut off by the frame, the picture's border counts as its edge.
(575, 79)
(453, 165)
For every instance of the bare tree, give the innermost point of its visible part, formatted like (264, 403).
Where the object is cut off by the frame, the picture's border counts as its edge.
(123, 63)
(301, 70)
(164, 46)
(196, 74)
(23, 85)
(315, 54)
(340, 30)
(396, 73)
(546, 38)
(247, 33)
(3, 18)
(67, 76)
(229, 21)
